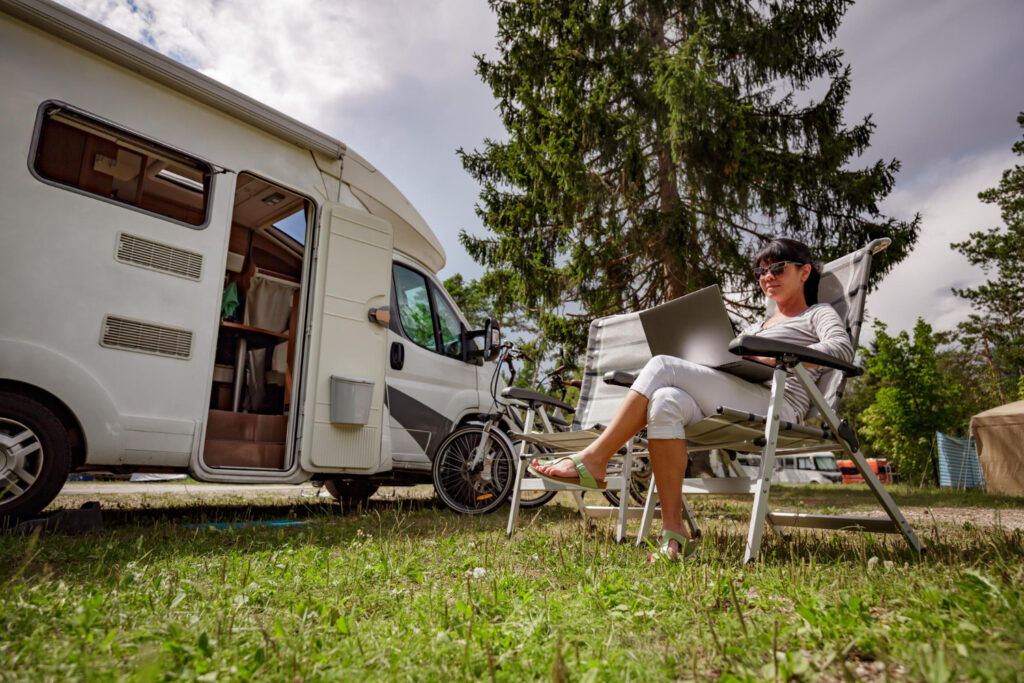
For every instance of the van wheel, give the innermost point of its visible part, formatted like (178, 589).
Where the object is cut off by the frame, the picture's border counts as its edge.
(351, 493)
(469, 487)
(35, 455)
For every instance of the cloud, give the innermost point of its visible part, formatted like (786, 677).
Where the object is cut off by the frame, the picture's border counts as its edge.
(942, 78)
(920, 286)
(301, 55)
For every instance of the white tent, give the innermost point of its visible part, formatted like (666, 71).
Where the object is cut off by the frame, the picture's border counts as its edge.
(999, 434)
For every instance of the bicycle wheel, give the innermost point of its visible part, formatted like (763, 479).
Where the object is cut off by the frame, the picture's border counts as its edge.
(468, 488)
(639, 483)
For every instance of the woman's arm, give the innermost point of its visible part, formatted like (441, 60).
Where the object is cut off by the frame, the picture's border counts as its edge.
(831, 333)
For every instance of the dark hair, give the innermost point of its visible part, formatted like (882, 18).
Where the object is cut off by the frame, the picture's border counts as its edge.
(785, 249)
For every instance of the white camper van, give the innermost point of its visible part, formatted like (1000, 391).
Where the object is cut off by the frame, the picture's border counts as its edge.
(191, 281)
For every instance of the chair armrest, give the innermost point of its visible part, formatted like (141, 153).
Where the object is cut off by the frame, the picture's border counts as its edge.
(535, 396)
(752, 345)
(620, 378)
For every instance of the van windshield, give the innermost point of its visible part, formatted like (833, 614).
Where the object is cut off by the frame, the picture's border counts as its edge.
(826, 463)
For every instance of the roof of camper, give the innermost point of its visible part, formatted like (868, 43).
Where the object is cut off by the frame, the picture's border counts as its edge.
(381, 198)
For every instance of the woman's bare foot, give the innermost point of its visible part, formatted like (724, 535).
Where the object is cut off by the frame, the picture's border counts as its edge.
(565, 469)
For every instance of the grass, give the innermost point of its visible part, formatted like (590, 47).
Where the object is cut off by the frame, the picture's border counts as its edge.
(406, 590)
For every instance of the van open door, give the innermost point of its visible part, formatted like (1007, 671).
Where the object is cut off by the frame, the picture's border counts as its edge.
(343, 404)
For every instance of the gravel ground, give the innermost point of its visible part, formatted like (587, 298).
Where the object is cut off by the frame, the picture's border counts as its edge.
(924, 517)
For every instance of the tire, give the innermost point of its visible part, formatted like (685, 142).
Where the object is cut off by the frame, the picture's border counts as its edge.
(35, 455)
(351, 493)
(639, 484)
(467, 490)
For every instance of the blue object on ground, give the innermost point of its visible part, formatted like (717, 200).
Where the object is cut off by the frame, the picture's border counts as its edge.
(958, 462)
(245, 525)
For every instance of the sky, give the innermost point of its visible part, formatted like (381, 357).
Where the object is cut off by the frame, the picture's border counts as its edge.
(394, 80)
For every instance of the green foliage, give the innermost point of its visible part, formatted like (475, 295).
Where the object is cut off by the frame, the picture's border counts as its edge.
(654, 145)
(912, 399)
(404, 591)
(471, 300)
(994, 333)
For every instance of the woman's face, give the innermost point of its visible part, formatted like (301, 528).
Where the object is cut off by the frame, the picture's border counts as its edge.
(787, 284)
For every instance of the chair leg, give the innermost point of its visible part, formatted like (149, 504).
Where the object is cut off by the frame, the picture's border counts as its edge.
(648, 515)
(513, 513)
(690, 520)
(627, 476)
(582, 505)
(883, 497)
(522, 464)
(771, 434)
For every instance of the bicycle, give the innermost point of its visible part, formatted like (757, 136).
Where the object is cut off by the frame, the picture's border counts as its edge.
(474, 468)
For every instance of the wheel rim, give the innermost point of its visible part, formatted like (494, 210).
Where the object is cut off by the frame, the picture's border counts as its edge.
(468, 490)
(21, 459)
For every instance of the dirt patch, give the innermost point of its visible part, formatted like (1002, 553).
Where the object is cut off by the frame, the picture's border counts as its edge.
(979, 517)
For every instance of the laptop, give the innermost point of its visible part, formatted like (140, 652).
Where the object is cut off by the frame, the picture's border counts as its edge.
(696, 327)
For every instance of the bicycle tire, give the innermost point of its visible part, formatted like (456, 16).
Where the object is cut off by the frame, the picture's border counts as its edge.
(639, 484)
(467, 491)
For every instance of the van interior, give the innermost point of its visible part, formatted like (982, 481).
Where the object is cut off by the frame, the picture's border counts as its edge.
(258, 337)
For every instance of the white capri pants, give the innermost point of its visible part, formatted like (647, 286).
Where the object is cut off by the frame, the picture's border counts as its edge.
(681, 393)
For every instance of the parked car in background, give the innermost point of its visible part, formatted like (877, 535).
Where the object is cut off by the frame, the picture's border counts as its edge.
(807, 468)
(880, 466)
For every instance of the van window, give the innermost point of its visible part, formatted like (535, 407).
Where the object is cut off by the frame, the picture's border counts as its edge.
(451, 326)
(804, 464)
(826, 463)
(90, 156)
(413, 295)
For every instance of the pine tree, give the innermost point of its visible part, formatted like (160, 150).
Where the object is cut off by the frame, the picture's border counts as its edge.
(995, 331)
(654, 145)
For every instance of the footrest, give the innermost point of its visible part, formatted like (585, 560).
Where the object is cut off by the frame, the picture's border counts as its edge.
(571, 442)
(880, 525)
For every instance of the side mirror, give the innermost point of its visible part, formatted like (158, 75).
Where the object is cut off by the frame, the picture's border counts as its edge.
(492, 339)
(491, 342)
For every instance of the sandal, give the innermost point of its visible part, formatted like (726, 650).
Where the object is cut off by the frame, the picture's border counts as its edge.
(687, 548)
(584, 478)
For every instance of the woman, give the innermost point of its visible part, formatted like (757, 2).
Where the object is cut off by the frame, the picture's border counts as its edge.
(671, 393)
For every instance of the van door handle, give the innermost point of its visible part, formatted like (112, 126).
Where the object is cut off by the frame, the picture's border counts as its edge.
(397, 355)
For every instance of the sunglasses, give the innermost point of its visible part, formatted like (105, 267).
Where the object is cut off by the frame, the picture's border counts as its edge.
(775, 269)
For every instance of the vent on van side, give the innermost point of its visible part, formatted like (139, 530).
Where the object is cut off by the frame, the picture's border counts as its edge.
(146, 253)
(132, 335)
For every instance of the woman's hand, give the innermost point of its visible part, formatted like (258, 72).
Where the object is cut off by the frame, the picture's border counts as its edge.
(762, 359)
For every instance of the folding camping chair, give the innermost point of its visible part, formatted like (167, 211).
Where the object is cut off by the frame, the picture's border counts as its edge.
(844, 286)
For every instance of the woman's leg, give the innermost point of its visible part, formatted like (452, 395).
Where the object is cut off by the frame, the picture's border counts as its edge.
(630, 419)
(668, 460)
(671, 393)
